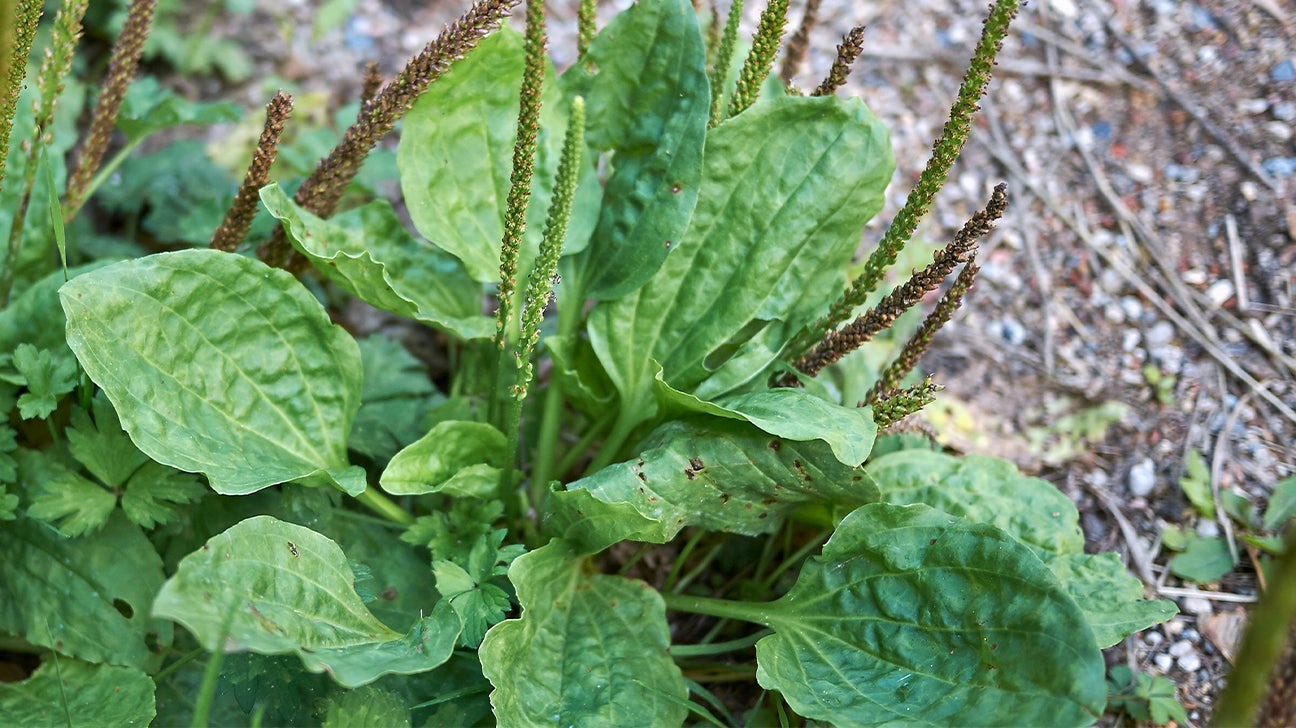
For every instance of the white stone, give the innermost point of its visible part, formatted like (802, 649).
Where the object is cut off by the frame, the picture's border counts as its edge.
(1197, 605)
(1208, 528)
(1220, 291)
(1190, 662)
(1153, 638)
(1160, 334)
(1180, 648)
(1164, 662)
(1142, 477)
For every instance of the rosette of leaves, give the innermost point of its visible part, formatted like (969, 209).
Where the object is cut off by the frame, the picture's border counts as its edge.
(686, 257)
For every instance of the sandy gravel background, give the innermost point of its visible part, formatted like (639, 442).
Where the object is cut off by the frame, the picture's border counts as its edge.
(1136, 303)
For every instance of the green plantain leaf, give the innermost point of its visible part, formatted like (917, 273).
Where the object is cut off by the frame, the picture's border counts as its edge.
(985, 490)
(644, 82)
(912, 615)
(589, 649)
(367, 707)
(272, 587)
(219, 364)
(718, 474)
(786, 189)
(455, 457)
(456, 154)
(397, 393)
(792, 414)
(87, 597)
(369, 253)
(1110, 597)
(77, 694)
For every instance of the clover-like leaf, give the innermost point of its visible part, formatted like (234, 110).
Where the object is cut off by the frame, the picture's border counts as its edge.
(47, 379)
(912, 615)
(276, 588)
(588, 649)
(219, 364)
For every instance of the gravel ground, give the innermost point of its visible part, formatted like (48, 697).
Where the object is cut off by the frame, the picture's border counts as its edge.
(1137, 301)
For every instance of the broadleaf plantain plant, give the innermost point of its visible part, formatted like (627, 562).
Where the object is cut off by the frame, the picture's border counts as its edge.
(642, 508)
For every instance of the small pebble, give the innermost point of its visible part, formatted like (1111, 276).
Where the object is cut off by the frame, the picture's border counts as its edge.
(1180, 173)
(1140, 173)
(1285, 111)
(1207, 528)
(1180, 648)
(1283, 71)
(1163, 662)
(1142, 477)
(1197, 605)
(1173, 627)
(1190, 662)
(1160, 334)
(1132, 307)
(1130, 339)
(1253, 106)
(1280, 166)
(1219, 292)
(1191, 635)
(1153, 638)
(1279, 130)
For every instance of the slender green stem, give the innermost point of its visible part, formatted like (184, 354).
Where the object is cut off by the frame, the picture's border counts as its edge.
(383, 506)
(754, 612)
(717, 648)
(595, 430)
(102, 176)
(183, 660)
(1260, 668)
(211, 676)
(701, 566)
(794, 559)
(626, 422)
(681, 558)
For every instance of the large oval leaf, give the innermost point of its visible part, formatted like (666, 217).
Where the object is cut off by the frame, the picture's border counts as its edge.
(370, 254)
(79, 695)
(588, 650)
(87, 597)
(986, 490)
(456, 154)
(719, 474)
(457, 457)
(644, 81)
(912, 615)
(274, 588)
(786, 189)
(790, 413)
(221, 365)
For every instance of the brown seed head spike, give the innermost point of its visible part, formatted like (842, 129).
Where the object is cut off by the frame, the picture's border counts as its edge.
(238, 218)
(847, 51)
(372, 82)
(121, 69)
(838, 344)
(322, 190)
(917, 344)
(799, 44)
